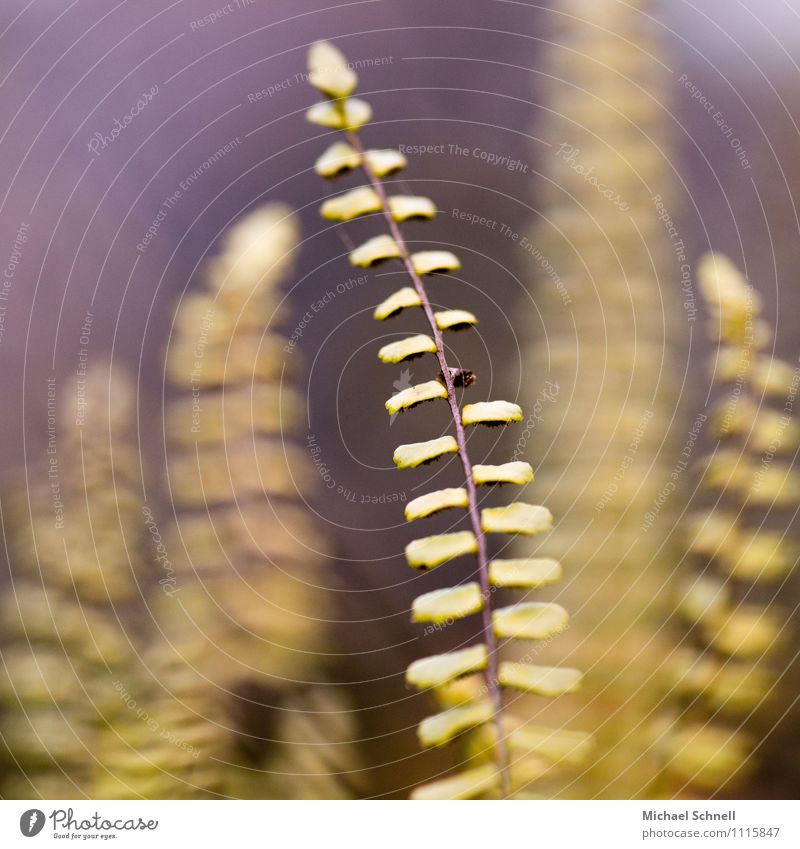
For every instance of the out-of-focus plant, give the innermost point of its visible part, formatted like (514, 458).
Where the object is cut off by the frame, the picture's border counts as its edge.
(514, 752)
(217, 687)
(72, 606)
(727, 678)
(246, 615)
(604, 334)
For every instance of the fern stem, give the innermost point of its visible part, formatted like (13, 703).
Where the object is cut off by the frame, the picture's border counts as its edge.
(491, 673)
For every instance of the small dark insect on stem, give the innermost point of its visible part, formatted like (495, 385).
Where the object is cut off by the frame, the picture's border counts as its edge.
(491, 672)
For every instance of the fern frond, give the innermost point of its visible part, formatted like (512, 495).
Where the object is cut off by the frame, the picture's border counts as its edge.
(530, 621)
(728, 677)
(247, 552)
(71, 611)
(604, 267)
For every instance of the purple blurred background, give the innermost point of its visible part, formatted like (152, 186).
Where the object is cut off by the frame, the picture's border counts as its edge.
(437, 73)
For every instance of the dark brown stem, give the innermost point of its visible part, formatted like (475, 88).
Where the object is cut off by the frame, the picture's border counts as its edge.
(491, 673)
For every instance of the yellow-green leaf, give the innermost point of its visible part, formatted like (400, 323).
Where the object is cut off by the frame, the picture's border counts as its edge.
(725, 684)
(460, 691)
(434, 262)
(468, 784)
(748, 631)
(705, 600)
(556, 745)
(543, 680)
(418, 453)
(721, 282)
(733, 362)
(433, 502)
(454, 319)
(347, 114)
(400, 300)
(729, 419)
(759, 555)
(336, 160)
(738, 686)
(515, 472)
(439, 668)
(432, 551)
(408, 398)
(448, 604)
(712, 533)
(772, 377)
(328, 70)
(530, 620)
(735, 301)
(403, 349)
(407, 207)
(706, 755)
(375, 250)
(442, 727)
(524, 572)
(773, 432)
(774, 485)
(385, 162)
(728, 469)
(516, 518)
(491, 413)
(360, 201)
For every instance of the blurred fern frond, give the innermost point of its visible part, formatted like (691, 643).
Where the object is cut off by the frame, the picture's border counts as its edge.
(726, 679)
(73, 610)
(608, 323)
(246, 615)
